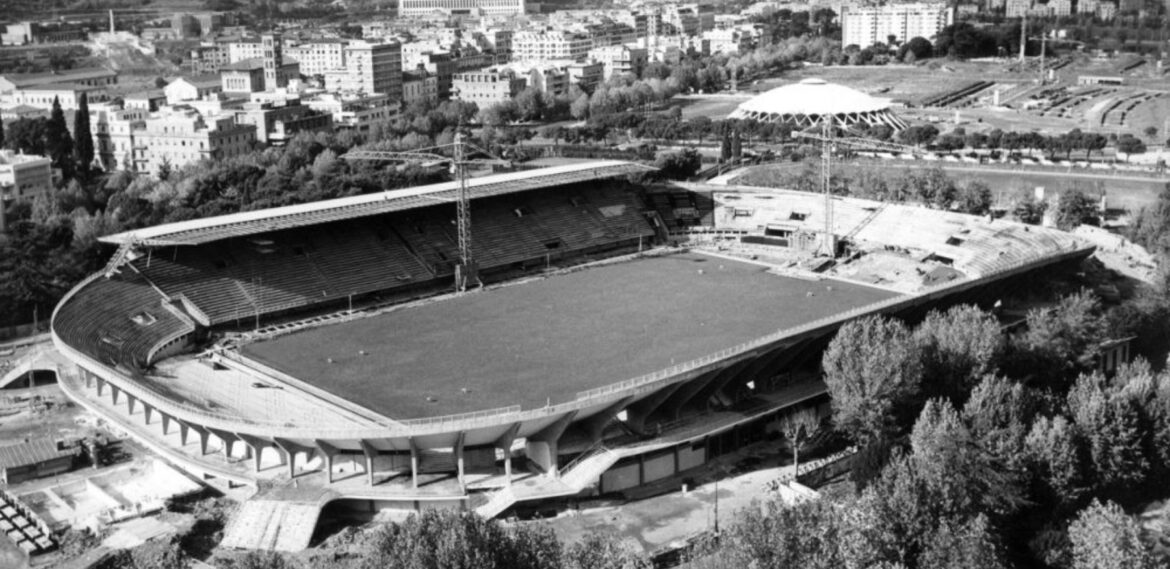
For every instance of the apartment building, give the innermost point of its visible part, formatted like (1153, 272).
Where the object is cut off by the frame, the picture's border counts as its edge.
(182, 136)
(866, 25)
(370, 68)
(356, 113)
(318, 57)
(414, 8)
(419, 86)
(545, 45)
(192, 88)
(279, 118)
(487, 87)
(618, 60)
(88, 76)
(24, 176)
(69, 94)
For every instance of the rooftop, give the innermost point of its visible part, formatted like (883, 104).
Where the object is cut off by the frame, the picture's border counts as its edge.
(812, 97)
(33, 452)
(21, 80)
(210, 229)
(544, 341)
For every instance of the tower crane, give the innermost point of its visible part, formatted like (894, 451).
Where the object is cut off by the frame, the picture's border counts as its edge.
(829, 143)
(466, 272)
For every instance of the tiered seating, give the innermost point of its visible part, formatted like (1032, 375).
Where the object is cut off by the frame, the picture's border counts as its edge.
(234, 279)
(118, 320)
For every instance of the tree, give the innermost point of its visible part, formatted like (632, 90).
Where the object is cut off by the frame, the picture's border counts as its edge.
(602, 551)
(963, 476)
(918, 48)
(679, 165)
(974, 197)
(83, 150)
(873, 374)
(1060, 342)
(1103, 536)
(918, 135)
(798, 427)
(1151, 131)
(1129, 144)
(970, 545)
(580, 107)
(957, 347)
(58, 143)
(1074, 208)
(1, 133)
(459, 540)
(1055, 447)
(27, 135)
(1112, 425)
(531, 105)
(1030, 211)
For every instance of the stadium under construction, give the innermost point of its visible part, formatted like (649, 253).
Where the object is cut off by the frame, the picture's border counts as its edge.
(625, 333)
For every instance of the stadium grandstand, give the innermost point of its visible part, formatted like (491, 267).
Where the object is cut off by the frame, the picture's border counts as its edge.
(626, 333)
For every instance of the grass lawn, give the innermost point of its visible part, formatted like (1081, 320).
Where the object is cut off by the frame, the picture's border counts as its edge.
(544, 341)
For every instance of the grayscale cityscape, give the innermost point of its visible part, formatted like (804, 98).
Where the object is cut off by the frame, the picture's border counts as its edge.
(584, 284)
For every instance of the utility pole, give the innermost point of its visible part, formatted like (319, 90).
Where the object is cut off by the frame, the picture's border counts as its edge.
(830, 248)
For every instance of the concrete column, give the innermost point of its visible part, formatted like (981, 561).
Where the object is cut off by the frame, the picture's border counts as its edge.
(114, 393)
(131, 402)
(542, 446)
(504, 443)
(328, 451)
(101, 386)
(594, 426)
(413, 464)
(229, 441)
(166, 422)
(290, 450)
(459, 460)
(370, 453)
(147, 410)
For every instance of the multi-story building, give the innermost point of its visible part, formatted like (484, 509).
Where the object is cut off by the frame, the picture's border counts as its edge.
(865, 26)
(1060, 7)
(585, 75)
(620, 59)
(89, 76)
(113, 135)
(177, 137)
(243, 49)
(549, 79)
(1017, 8)
(412, 8)
(1087, 6)
(487, 87)
(69, 94)
(740, 39)
(419, 86)
(279, 118)
(1106, 11)
(24, 176)
(541, 46)
(26, 33)
(354, 113)
(369, 68)
(318, 57)
(193, 88)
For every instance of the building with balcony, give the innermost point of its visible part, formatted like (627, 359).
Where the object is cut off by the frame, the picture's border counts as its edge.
(177, 137)
(488, 87)
(24, 176)
(865, 26)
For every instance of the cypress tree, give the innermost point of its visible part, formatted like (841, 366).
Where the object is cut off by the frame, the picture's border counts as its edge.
(1, 133)
(58, 143)
(83, 148)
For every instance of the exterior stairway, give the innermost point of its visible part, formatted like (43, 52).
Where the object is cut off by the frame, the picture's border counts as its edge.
(273, 525)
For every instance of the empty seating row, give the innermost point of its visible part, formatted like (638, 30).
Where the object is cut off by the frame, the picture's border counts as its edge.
(236, 278)
(119, 320)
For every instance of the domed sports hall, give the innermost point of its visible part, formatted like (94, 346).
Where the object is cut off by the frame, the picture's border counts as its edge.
(622, 333)
(812, 101)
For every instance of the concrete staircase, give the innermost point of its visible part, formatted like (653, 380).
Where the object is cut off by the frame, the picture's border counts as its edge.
(272, 525)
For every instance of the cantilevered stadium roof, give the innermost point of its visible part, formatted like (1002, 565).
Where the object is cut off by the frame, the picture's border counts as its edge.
(199, 231)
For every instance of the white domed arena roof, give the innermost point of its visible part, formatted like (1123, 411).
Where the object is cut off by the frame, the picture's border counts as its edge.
(811, 97)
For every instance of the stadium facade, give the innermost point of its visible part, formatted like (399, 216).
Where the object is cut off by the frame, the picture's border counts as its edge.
(217, 342)
(812, 101)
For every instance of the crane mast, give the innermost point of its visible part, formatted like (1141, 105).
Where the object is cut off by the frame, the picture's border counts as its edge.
(466, 271)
